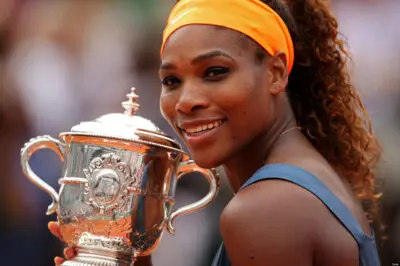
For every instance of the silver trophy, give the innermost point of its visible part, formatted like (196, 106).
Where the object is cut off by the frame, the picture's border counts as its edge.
(117, 188)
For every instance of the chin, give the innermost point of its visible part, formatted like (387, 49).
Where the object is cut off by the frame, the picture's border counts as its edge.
(205, 160)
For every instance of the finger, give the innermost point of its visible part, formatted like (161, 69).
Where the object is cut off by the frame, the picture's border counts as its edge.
(55, 229)
(69, 253)
(58, 261)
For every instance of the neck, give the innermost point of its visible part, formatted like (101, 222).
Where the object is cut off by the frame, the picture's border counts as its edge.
(247, 161)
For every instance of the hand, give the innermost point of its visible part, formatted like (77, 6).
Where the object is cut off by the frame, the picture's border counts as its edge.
(69, 252)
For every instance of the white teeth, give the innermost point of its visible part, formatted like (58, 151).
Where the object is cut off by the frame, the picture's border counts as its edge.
(204, 127)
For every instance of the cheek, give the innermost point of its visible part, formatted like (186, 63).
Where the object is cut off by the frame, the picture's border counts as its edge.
(167, 106)
(241, 96)
(234, 93)
(249, 111)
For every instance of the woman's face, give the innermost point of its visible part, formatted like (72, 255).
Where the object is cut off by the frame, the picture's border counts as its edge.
(215, 94)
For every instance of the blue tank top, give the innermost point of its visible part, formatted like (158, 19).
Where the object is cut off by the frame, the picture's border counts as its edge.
(367, 246)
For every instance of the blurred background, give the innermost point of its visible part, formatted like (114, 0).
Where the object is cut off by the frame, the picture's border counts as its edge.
(62, 62)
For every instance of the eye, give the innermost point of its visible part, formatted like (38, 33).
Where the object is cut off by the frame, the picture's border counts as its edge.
(171, 82)
(216, 73)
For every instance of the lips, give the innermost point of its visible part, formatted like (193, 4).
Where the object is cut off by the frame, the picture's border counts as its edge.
(196, 132)
(202, 128)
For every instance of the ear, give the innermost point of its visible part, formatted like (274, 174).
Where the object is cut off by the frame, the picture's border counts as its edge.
(279, 74)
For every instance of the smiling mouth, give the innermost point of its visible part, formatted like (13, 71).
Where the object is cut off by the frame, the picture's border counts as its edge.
(199, 130)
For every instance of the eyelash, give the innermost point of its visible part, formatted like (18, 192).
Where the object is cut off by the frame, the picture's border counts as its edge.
(219, 73)
(210, 74)
(170, 79)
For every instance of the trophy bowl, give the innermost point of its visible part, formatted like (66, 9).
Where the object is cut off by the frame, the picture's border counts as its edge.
(117, 186)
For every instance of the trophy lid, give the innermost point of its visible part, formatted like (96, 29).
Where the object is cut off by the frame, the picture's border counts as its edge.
(126, 126)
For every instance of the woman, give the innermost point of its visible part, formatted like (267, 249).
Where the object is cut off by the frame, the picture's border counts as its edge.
(261, 88)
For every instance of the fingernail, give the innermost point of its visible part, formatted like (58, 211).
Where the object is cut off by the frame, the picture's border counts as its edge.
(57, 261)
(68, 253)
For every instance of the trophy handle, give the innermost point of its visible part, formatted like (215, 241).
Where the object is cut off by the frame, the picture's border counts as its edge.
(212, 178)
(29, 148)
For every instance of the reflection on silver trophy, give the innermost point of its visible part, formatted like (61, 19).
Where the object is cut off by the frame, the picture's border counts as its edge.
(117, 187)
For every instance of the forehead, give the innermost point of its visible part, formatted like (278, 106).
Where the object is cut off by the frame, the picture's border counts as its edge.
(192, 40)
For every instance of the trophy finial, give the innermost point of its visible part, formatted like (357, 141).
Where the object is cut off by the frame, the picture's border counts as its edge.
(131, 105)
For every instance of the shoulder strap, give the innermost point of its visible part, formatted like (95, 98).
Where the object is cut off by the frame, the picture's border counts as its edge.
(311, 183)
(221, 258)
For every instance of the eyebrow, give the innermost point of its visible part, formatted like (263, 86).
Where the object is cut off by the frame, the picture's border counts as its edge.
(209, 55)
(202, 57)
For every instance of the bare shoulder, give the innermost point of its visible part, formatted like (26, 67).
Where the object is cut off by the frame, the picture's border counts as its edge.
(274, 222)
(269, 221)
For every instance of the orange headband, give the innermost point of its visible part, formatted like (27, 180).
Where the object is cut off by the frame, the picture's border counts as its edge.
(250, 17)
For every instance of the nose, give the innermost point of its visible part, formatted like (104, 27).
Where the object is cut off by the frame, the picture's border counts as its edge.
(191, 99)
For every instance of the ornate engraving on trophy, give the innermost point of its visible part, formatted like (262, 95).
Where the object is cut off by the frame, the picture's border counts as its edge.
(106, 186)
(75, 213)
(108, 181)
(144, 241)
(88, 240)
(124, 225)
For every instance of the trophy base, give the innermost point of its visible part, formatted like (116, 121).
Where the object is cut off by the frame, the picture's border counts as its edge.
(96, 260)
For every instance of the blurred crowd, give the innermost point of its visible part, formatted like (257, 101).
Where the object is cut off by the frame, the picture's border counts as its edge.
(66, 61)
